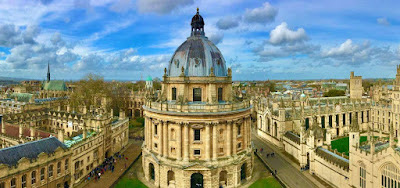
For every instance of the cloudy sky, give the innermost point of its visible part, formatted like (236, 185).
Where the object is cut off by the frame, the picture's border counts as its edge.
(130, 39)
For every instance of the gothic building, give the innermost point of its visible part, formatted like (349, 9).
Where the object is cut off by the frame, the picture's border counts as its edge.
(197, 134)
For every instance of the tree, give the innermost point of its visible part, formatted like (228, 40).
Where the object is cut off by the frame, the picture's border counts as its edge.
(334, 93)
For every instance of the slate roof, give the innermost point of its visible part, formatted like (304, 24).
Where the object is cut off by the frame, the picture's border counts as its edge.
(30, 150)
(55, 85)
(293, 137)
(333, 158)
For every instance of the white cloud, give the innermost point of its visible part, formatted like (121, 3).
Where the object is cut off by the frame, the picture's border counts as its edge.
(216, 38)
(346, 48)
(282, 35)
(383, 21)
(264, 14)
(161, 6)
(227, 22)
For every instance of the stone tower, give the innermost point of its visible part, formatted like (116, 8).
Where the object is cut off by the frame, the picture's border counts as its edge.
(356, 88)
(48, 72)
(196, 135)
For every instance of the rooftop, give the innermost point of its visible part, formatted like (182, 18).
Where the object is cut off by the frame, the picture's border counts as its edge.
(30, 150)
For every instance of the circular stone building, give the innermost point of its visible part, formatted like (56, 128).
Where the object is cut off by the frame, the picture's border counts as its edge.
(197, 134)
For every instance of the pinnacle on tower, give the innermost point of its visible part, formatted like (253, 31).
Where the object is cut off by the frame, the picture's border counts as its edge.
(48, 72)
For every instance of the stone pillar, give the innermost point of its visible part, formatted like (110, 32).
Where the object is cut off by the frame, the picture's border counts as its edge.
(179, 143)
(244, 133)
(160, 138)
(150, 134)
(215, 141)
(208, 142)
(165, 139)
(228, 138)
(186, 142)
(234, 138)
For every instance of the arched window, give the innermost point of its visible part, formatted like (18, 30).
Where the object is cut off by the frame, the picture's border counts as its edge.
(42, 174)
(243, 172)
(33, 177)
(51, 171)
(173, 93)
(151, 171)
(23, 181)
(13, 183)
(390, 176)
(171, 177)
(223, 178)
(58, 167)
(66, 164)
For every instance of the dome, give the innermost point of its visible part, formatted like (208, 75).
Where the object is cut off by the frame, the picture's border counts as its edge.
(149, 78)
(197, 55)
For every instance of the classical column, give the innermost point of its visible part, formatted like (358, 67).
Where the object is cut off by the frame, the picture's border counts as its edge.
(215, 141)
(179, 142)
(208, 141)
(186, 142)
(151, 134)
(160, 138)
(244, 133)
(228, 138)
(165, 140)
(234, 138)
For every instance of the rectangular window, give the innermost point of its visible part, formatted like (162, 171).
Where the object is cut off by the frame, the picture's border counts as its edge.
(155, 130)
(239, 130)
(197, 134)
(2, 185)
(173, 94)
(196, 152)
(220, 94)
(239, 146)
(155, 145)
(196, 94)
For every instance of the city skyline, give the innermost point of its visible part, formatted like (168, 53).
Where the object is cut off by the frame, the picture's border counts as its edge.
(259, 39)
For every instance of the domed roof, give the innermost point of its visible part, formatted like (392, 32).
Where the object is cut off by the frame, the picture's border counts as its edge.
(197, 55)
(149, 78)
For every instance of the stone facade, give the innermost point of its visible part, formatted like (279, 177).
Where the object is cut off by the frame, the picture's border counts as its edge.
(196, 133)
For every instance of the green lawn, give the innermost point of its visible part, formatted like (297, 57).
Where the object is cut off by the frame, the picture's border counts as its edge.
(125, 183)
(269, 182)
(342, 144)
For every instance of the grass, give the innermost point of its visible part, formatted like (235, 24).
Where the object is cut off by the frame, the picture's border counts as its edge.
(342, 144)
(137, 122)
(125, 183)
(269, 182)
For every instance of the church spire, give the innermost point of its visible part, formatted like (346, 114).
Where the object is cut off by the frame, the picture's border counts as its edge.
(48, 72)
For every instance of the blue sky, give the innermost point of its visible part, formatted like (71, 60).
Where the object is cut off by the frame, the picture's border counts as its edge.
(128, 39)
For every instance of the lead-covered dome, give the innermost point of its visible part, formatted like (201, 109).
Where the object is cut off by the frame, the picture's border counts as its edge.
(197, 55)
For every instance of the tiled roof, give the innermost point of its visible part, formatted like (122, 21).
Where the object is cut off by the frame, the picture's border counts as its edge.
(30, 150)
(13, 131)
(333, 158)
(293, 137)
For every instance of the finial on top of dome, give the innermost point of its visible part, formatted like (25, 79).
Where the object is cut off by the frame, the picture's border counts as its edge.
(197, 9)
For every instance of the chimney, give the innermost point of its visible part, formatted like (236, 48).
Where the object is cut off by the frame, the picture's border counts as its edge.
(84, 131)
(61, 135)
(3, 128)
(21, 129)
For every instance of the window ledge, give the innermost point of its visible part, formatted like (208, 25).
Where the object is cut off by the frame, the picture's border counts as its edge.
(197, 142)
